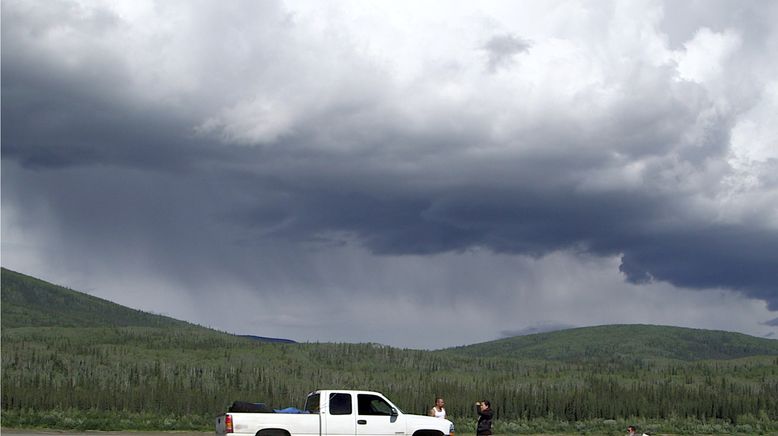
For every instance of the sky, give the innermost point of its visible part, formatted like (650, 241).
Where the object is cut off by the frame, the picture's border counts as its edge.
(420, 174)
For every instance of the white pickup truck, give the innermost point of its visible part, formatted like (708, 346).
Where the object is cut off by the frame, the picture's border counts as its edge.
(335, 413)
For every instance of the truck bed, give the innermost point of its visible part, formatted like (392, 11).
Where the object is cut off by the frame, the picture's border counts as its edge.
(246, 423)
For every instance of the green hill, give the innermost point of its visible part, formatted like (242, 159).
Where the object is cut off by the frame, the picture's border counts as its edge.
(29, 302)
(609, 341)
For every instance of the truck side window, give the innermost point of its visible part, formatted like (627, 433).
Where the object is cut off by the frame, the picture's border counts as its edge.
(373, 405)
(312, 404)
(340, 404)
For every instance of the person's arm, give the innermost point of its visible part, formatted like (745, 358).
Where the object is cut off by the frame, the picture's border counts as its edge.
(431, 412)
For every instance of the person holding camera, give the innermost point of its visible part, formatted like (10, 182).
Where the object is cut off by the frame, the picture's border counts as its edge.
(484, 410)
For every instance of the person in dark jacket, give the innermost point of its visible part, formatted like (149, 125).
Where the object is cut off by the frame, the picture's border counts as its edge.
(484, 410)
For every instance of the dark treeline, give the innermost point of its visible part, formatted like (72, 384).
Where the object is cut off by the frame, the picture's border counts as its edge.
(191, 371)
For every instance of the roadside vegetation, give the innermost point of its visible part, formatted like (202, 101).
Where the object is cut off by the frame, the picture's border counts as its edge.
(75, 368)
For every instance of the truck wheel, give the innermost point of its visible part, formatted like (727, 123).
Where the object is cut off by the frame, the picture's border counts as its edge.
(273, 432)
(428, 433)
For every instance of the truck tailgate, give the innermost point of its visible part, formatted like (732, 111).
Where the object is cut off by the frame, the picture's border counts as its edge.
(221, 426)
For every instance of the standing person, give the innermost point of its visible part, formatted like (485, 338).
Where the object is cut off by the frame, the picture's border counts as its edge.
(439, 410)
(484, 410)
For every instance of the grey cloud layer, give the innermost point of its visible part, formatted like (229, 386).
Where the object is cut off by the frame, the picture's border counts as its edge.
(502, 48)
(290, 140)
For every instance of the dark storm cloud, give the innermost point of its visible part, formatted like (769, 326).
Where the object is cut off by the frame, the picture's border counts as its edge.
(730, 257)
(63, 124)
(189, 188)
(501, 49)
(773, 322)
(89, 113)
(692, 254)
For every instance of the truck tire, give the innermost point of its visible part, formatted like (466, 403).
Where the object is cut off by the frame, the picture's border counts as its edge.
(273, 432)
(427, 433)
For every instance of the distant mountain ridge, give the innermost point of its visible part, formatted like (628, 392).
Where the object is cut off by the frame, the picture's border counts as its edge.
(625, 341)
(30, 302)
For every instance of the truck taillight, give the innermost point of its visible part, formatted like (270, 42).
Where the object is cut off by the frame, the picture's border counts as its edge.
(228, 424)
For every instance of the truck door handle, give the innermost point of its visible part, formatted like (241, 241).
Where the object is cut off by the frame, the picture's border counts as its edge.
(362, 422)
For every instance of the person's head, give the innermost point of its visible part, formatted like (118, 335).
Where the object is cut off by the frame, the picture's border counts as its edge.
(439, 403)
(632, 429)
(485, 404)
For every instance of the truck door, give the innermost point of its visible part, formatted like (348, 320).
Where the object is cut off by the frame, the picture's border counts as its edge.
(376, 417)
(340, 417)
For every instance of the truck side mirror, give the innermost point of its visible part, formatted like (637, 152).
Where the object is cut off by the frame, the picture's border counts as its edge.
(394, 412)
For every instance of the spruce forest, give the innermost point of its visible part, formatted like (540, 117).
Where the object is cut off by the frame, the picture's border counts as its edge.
(73, 361)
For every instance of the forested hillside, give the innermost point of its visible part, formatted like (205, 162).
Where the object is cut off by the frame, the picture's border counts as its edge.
(28, 301)
(643, 341)
(157, 373)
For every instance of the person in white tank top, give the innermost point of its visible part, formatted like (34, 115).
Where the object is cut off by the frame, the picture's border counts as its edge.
(439, 411)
